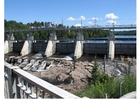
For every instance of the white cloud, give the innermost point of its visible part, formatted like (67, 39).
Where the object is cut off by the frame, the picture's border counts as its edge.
(90, 23)
(111, 16)
(77, 25)
(81, 18)
(111, 22)
(70, 19)
(93, 18)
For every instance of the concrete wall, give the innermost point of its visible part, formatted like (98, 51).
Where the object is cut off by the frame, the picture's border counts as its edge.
(125, 49)
(39, 46)
(65, 48)
(95, 48)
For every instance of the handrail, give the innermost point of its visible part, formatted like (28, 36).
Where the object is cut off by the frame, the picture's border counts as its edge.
(26, 78)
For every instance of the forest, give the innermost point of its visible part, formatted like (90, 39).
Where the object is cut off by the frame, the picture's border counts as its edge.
(61, 34)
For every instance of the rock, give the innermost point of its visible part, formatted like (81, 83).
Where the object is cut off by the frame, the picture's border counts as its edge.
(61, 77)
(90, 64)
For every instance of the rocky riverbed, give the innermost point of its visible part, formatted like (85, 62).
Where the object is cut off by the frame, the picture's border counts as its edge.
(72, 75)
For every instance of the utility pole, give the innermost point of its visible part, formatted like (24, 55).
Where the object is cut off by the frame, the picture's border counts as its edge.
(81, 22)
(113, 24)
(95, 21)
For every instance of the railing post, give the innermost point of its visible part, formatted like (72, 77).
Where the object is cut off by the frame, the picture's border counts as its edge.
(23, 80)
(10, 80)
(17, 88)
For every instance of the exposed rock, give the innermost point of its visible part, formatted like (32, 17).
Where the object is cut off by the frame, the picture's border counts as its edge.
(72, 76)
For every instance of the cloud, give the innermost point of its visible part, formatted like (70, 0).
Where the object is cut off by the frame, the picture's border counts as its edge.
(70, 19)
(93, 18)
(81, 18)
(111, 22)
(77, 25)
(90, 23)
(111, 16)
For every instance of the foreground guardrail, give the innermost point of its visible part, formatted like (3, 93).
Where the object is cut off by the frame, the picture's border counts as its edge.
(21, 84)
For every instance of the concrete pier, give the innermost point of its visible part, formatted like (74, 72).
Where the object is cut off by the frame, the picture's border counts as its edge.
(78, 49)
(79, 45)
(27, 48)
(8, 44)
(51, 46)
(6, 47)
(111, 46)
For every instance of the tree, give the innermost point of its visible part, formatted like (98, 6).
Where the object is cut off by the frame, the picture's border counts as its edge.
(36, 35)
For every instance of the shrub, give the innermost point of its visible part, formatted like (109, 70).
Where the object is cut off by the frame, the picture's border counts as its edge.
(100, 84)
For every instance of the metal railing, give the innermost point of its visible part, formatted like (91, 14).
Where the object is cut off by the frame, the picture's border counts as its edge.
(75, 28)
(21, 84)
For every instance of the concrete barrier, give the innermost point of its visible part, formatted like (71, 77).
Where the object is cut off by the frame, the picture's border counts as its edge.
(19, 84)
(131, 95)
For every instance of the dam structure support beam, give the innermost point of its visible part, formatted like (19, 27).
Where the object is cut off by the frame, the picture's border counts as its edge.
(8, 44)
(111, 46)
(27, 46)
(51, 46)
(79, 45)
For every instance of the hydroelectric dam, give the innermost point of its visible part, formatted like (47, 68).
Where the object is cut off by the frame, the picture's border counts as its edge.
(21, 84)
(109, 46)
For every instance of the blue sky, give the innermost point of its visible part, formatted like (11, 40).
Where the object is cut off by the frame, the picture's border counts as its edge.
(104, 12)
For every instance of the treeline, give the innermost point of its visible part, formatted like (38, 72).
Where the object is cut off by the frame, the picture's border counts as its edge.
(131, 32)
(61, 34)
(40, 35)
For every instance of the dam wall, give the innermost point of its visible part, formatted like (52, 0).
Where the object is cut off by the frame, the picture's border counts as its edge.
(95, 48)
(125, 48)
(88, 48)
(65, 47)
(39, 46)
(17, 47)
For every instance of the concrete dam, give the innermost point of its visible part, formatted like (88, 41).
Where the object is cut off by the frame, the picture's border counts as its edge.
(110, 46)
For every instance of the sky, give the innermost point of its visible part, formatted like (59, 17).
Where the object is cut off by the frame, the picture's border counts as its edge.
(121, 12)
(72, 12)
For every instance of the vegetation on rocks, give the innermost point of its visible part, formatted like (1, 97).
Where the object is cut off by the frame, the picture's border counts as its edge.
(101, 85)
